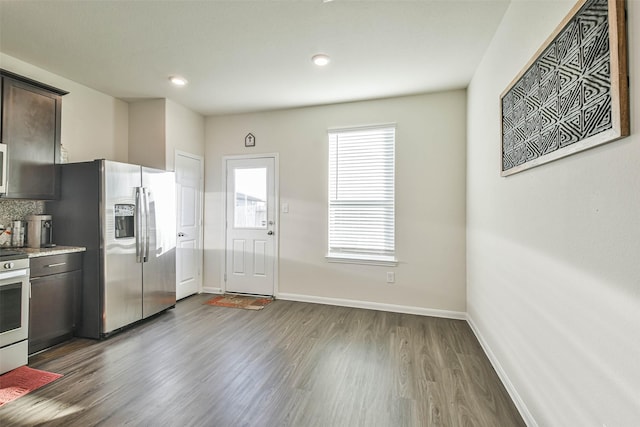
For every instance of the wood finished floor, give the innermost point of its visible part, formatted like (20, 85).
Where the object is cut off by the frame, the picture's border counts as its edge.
(291, 364)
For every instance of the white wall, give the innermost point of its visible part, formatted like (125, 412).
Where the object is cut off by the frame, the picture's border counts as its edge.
(158, 127)
(553, 252)
(94, 125)
(430, 184)
(99, 126)
(184, 132)
(147, 133)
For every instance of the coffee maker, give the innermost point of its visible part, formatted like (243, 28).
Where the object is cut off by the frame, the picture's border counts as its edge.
(40, 231)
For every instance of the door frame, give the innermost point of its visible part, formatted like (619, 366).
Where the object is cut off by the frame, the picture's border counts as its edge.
(200, 248)
(276, 196)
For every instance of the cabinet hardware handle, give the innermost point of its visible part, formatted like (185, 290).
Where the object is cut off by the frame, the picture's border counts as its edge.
(58, 264)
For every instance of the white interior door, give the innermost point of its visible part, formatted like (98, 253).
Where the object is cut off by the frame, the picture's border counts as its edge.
(189, 224)
(251, 225)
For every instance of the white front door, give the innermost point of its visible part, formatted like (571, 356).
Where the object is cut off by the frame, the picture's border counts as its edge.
(251, 225)
(189, 218)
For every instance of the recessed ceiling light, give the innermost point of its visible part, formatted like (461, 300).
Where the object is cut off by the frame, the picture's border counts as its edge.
(320, 59)
(177, 80)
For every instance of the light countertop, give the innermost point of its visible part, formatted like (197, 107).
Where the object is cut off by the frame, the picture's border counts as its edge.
(56, 250)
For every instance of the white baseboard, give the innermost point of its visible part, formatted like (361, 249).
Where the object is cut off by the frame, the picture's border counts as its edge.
(208, 290)
(374, 306)
(515, 397)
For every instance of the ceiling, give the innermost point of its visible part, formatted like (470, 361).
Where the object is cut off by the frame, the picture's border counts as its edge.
(242, 56)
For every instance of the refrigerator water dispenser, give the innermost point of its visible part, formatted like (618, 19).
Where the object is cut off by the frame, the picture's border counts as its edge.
(124, 221)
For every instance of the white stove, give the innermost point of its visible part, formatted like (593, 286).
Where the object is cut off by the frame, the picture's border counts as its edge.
(14, 309)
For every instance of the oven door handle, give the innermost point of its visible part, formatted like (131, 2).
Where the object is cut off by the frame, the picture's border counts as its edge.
(11, 274)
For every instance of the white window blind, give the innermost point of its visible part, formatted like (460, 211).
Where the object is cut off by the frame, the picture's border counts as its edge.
(361, 193)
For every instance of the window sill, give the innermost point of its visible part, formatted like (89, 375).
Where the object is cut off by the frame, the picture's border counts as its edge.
(369, 260)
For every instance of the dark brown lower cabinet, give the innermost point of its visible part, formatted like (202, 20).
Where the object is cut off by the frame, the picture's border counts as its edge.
(56, 281)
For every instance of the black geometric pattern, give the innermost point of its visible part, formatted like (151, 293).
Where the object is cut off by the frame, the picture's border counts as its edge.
(565, 95)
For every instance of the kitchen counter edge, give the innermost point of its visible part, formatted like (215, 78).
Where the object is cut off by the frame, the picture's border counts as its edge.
(56, 250)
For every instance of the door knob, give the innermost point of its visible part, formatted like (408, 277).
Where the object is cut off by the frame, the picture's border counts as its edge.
(181, 234)
(270, 233)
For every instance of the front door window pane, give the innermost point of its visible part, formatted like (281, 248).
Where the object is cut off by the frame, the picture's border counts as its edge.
(250, 198)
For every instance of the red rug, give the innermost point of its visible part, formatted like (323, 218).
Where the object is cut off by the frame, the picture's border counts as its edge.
(246, 302)
(23, 380)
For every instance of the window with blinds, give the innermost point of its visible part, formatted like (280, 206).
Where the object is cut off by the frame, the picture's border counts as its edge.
(361, 194)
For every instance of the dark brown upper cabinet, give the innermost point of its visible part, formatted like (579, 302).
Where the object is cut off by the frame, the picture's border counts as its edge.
(31, 117)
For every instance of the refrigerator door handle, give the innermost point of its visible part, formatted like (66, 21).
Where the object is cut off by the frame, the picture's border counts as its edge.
(147, 214)
(138, 226)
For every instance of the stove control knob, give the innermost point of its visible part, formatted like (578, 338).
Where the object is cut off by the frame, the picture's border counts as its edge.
(8, 265)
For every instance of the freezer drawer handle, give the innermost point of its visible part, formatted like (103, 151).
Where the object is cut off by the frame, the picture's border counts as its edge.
(57, 264)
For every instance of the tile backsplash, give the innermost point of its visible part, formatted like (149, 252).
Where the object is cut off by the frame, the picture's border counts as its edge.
(19, 210)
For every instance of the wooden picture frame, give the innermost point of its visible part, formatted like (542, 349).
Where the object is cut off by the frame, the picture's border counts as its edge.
(573, 94)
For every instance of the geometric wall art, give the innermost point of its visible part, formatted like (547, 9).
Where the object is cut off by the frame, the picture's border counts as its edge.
(573, 94)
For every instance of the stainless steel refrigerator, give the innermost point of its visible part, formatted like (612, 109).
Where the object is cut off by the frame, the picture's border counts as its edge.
(125, 216)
